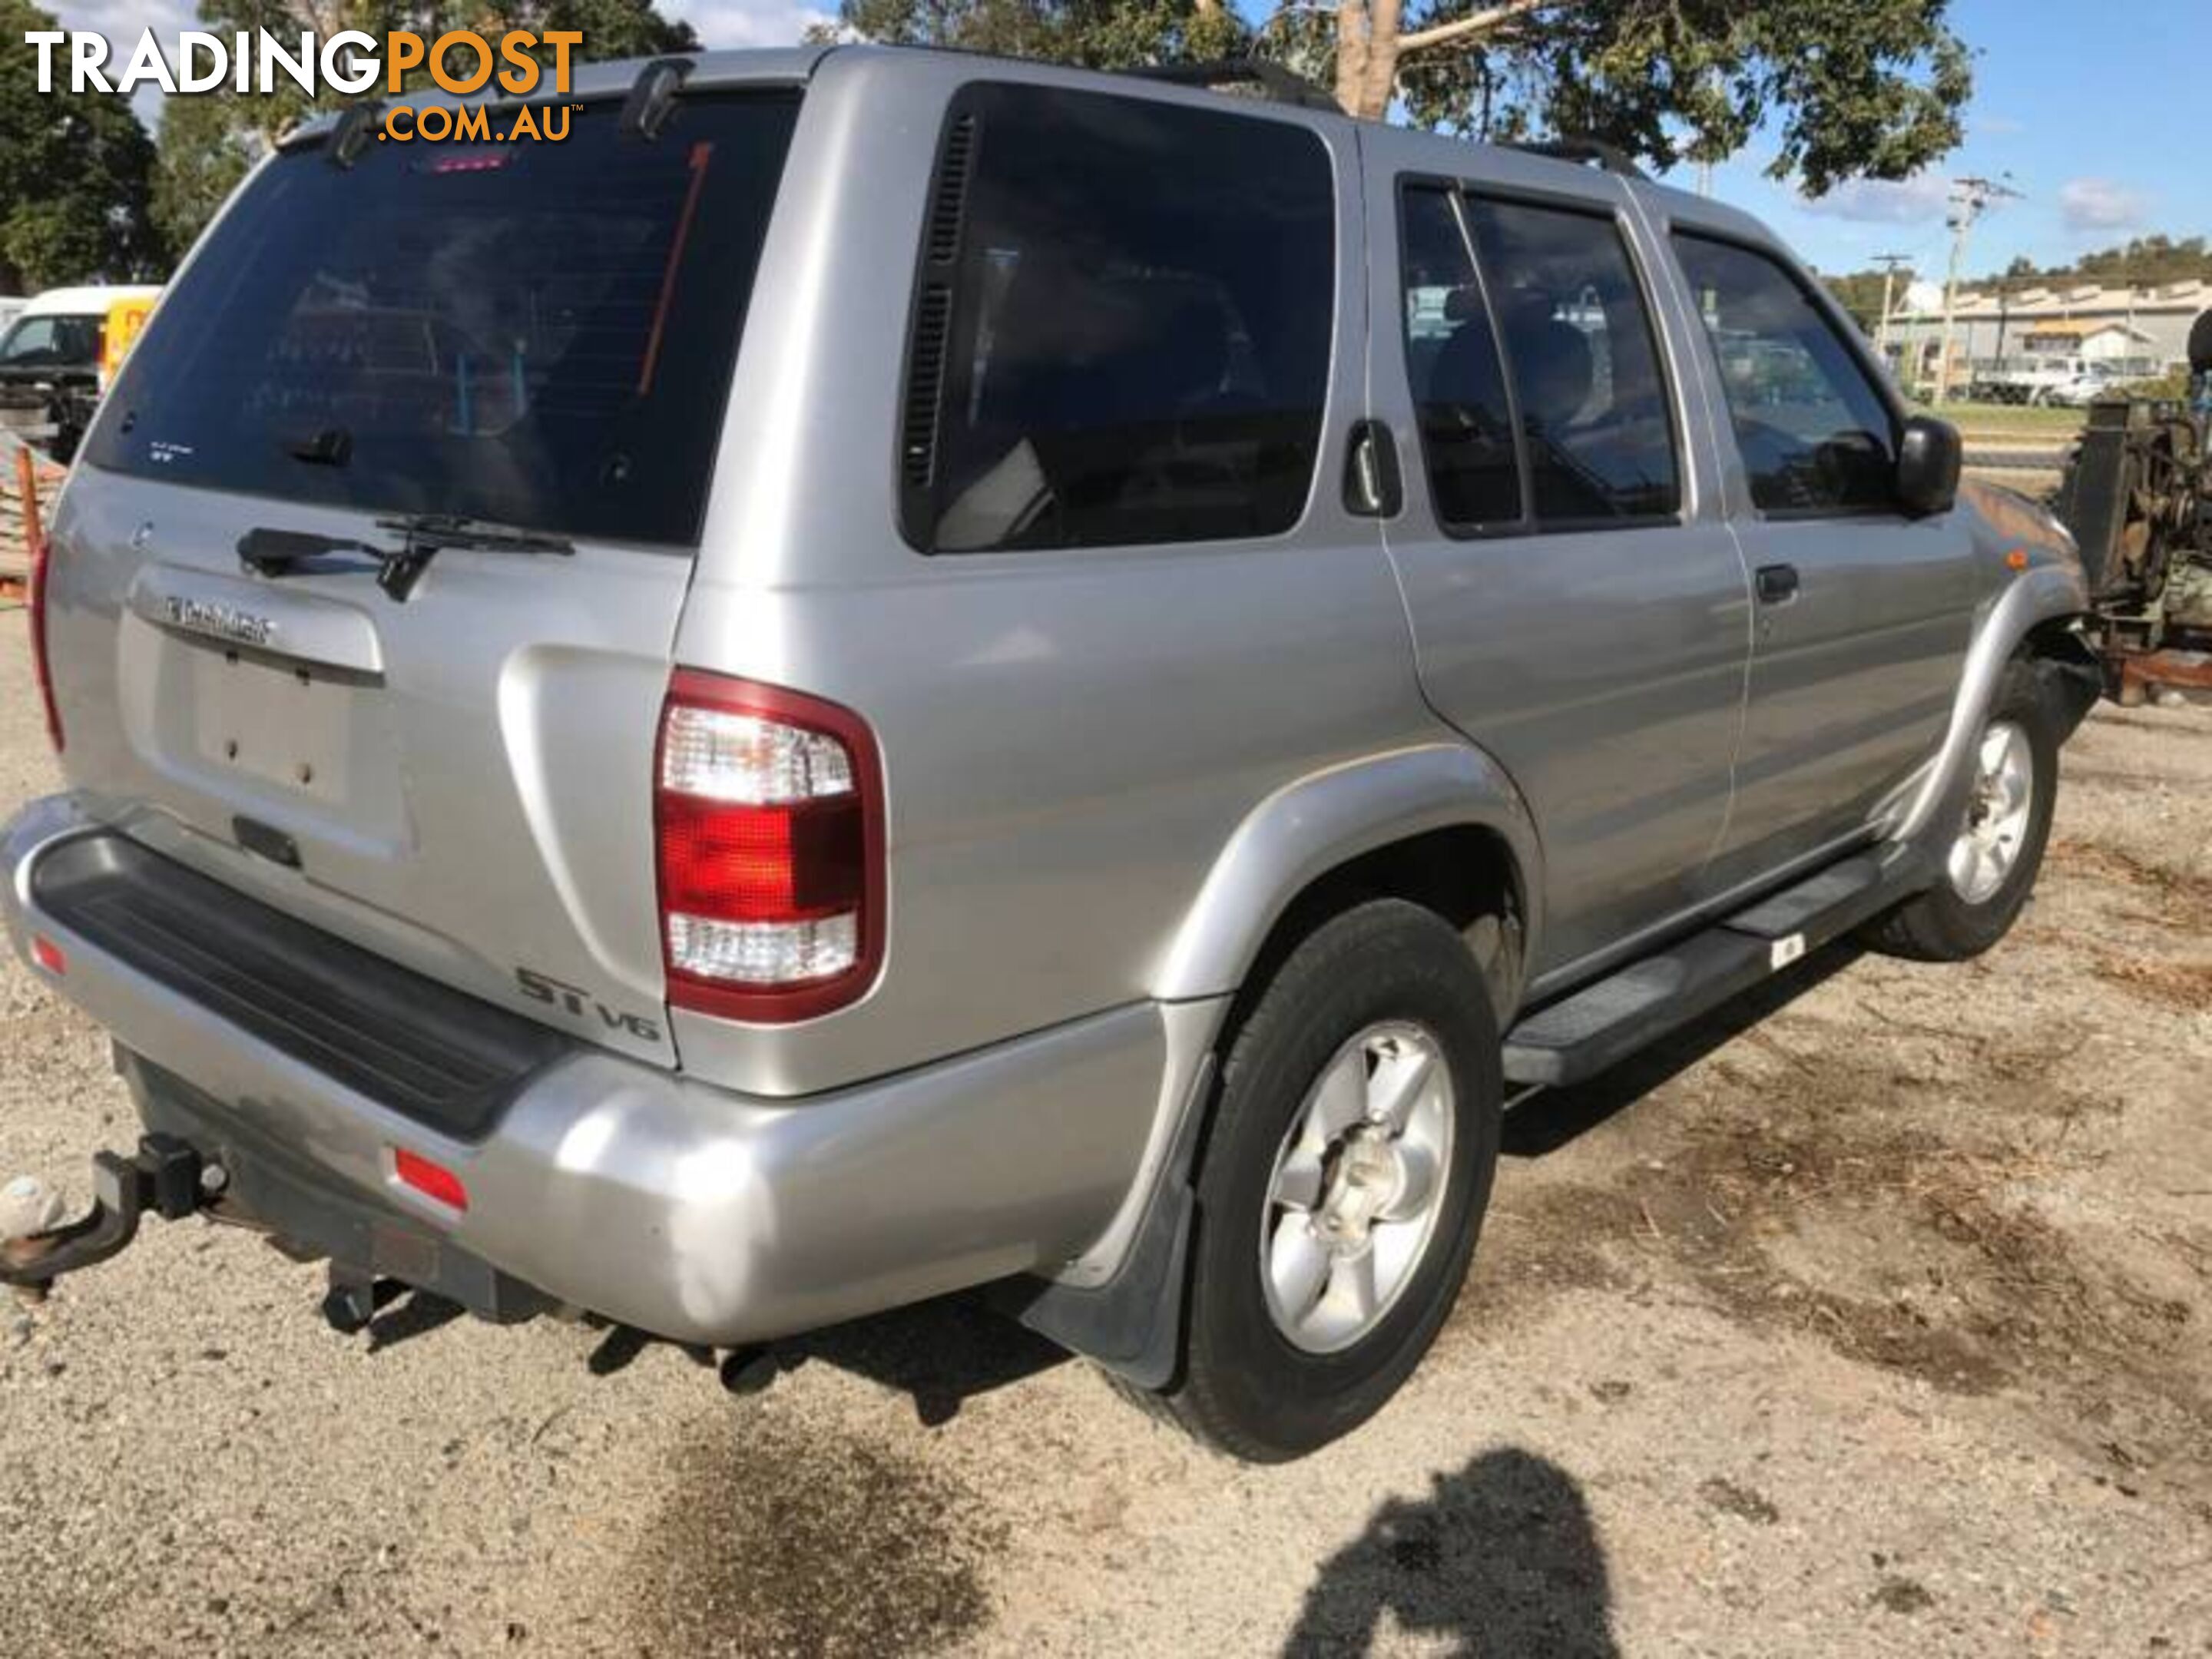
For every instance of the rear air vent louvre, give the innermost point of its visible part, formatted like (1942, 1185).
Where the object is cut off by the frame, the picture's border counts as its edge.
(933, 319)
(949, 206)
(928, 364)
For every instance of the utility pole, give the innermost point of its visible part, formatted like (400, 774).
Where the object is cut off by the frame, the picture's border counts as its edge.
(1969, 197)
(1891, 264)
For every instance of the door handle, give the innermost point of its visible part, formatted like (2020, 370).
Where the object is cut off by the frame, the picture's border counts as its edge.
(1777, 584)
(1372, 487)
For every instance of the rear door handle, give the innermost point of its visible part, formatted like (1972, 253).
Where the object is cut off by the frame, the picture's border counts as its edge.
(1372, 487)
(1777, 584)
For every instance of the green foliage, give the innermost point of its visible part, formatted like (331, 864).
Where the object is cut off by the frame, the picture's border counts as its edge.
(2172, 386)
(2145, 261)
(1860, 292)
(75, 176)
(1846, 87)
(209, 140)
(1094, 34)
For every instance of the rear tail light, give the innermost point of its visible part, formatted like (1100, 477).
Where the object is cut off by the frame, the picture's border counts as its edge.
(768, 809)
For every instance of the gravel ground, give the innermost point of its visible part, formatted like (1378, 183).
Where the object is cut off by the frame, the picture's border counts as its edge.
(1879, 1325)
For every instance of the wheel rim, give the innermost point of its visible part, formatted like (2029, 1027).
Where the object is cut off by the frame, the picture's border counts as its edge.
(2004, 796)
(1358, 1186)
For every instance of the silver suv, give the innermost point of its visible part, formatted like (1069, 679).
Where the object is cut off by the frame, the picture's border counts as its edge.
(887, 671)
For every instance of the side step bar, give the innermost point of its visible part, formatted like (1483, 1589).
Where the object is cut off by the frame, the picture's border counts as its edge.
(1583, 1033)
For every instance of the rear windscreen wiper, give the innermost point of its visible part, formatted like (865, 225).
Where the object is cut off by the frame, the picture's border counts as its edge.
(331, 446)
(427, 532)
(274, 552)
(436, 530)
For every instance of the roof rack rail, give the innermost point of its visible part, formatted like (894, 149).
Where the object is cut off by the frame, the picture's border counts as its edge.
(1276, 85)
(1611, 157)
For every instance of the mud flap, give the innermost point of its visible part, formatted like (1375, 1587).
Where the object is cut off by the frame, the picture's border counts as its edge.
(1133, 1324)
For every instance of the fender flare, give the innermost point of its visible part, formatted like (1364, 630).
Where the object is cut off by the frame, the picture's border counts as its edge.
(1322, 820)
(1121, 1302)
(2046, 593)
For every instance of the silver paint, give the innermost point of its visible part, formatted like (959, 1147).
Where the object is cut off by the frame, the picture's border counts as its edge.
(1108, 771)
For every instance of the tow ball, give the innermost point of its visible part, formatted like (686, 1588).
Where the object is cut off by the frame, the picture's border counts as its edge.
(166, 1178)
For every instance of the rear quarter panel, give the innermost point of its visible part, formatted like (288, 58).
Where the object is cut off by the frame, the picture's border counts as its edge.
(1069, 739)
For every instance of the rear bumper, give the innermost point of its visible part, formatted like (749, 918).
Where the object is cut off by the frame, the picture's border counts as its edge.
(656, 1200)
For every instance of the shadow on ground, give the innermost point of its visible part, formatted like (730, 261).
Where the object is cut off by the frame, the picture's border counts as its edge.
(1501, 1558)
(944, 1352)
(940, 1354)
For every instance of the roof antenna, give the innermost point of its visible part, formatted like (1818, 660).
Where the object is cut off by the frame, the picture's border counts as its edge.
(653, 97)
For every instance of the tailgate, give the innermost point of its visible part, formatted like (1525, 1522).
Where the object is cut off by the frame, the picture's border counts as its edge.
(536, 338)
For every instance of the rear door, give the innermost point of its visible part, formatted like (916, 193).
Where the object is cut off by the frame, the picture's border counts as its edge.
(1578, 606)
(1863, 615)
(537, 335)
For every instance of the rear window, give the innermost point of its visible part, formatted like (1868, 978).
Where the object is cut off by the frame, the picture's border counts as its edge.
(540, 334)
(1122, 332)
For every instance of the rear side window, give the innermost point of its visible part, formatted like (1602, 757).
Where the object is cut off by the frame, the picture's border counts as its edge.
(1451, 357)
(1586, 376)
(540, 334)
(1816, 435)
(1123, 330)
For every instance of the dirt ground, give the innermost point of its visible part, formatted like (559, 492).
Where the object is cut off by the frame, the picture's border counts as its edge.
(1874, 1318)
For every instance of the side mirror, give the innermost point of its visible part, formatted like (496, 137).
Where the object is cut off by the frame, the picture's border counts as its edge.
(1928, 461)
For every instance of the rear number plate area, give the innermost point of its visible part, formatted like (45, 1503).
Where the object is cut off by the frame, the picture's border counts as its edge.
(281, 724)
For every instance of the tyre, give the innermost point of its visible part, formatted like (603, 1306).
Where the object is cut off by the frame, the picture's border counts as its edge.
(1989, 864)
(1343, 1182)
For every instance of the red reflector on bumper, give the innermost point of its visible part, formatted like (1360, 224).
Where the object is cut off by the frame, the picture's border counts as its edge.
(48, 955)
(431, 1180)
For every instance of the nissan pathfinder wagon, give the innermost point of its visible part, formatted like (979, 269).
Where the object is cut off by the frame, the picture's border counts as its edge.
(890, 672)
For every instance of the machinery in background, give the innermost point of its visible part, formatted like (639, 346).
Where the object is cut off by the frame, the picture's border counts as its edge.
(2137, 495)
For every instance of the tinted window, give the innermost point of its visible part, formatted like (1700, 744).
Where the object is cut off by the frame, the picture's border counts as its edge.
(540, 333)
(1451, 357)
(1585, 371)
(1138, 340)
(1816, 435)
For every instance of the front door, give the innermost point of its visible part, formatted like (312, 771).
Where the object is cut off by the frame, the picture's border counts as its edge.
(1578, 606)
(1864, 616)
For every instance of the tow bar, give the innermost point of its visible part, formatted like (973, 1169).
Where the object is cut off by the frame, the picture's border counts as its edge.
(169, 1177)
(166, 1177)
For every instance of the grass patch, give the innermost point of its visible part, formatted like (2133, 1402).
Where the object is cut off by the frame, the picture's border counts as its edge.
(2008, 420)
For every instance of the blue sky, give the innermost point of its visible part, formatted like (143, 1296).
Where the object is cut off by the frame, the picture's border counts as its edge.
(2097, 109)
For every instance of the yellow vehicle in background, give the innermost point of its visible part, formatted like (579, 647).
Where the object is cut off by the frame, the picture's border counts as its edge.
(126, 318)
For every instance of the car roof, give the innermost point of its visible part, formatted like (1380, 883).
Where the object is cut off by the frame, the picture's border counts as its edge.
(88, 299)
(796, 65)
